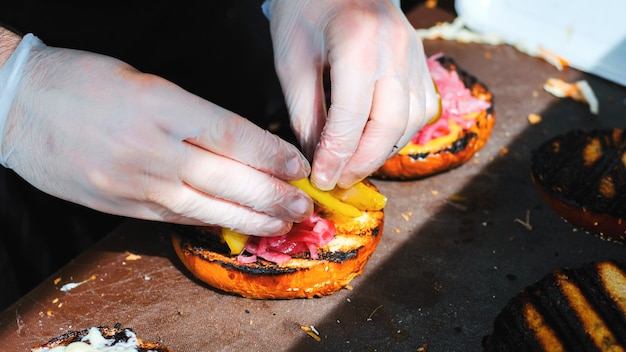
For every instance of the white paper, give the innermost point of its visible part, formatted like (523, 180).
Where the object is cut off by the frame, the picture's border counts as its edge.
(590, 35)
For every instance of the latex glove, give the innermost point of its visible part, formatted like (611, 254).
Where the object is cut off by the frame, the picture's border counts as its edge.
(381, 89)
(92, 130)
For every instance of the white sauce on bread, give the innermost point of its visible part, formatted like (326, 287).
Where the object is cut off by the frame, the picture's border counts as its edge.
(95, 342)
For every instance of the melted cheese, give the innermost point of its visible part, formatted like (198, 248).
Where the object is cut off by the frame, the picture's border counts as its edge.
(435, 144)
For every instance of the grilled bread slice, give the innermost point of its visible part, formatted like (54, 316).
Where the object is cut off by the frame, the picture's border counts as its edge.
(581, 309)
(206, 255)
(582, 176)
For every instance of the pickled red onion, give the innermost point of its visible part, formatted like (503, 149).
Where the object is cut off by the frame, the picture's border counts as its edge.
(457, 101)
(303, 237)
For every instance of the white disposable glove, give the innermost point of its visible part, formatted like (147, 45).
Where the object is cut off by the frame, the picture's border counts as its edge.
(381, 90)
(92, 130)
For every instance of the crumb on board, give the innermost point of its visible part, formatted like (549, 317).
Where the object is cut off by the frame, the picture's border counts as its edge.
(434, 192)
(311, 331)
(369, 318)
(458, 201)
(503, 151)
(459, 198)
(57, 280)
(132, 256)
(534, 118)
(525, 223)
(72, 285)
(396, 230)
(579, 91)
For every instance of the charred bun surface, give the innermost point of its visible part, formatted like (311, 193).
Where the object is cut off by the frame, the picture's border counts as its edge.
(582, 176)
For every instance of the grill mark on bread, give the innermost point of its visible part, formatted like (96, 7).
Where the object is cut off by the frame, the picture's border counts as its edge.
(581, 309)
(546, 337)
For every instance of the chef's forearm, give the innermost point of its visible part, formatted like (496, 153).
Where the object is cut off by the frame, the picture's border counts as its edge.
(8, 42)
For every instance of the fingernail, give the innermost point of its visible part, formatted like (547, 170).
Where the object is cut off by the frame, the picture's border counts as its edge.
(300, 206)
(298, 166)
(274, 227)
(324, 181)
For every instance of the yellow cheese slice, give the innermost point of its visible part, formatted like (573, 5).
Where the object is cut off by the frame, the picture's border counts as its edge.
(434, 145)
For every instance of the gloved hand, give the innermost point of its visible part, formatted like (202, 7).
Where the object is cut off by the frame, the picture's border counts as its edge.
(92, 130)
(381, 90)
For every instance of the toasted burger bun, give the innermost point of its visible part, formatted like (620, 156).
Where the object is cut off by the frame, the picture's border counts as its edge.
(124, 339)
(339, 261)
(581, 175)
(570, 309)
(449, 155)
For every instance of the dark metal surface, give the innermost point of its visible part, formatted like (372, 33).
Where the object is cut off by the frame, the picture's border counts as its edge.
(454, 249)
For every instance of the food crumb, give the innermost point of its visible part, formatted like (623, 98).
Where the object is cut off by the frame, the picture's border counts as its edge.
(57, 280)
(54, 301)
(579, 91)
(396, 230)
(458, 198)
(504, 151)
(132, 256)
(534, 119)
(369, 318)
(525, 223)
(311, 331)
(73, 285)
(314, 329)
(434, 192)
(405, 217)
